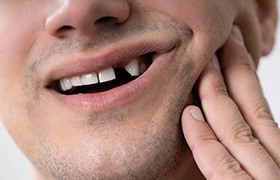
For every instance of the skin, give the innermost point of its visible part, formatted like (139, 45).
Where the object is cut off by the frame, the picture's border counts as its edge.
(241, 143)
(139, 139)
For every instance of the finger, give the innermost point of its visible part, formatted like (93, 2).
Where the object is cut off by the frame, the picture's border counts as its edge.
(230, 128)
(244, 87)
(212, 158)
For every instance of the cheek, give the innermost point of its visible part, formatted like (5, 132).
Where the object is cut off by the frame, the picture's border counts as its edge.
(20, 25)
(202, 16)
(17, 37)
(17, 34)
(210, 21)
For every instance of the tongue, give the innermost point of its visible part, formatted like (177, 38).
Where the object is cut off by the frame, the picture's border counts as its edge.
(122, 77)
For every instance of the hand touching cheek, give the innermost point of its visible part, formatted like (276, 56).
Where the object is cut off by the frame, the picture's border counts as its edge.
(240, 139)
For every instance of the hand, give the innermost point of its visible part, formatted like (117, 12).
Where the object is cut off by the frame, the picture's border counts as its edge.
(240, 139)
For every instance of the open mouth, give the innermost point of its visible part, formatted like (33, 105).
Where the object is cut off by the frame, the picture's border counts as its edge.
(105, 79)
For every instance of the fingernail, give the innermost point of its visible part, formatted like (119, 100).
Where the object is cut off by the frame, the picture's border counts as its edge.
(215, 63)
(196, 114)
(236, 32)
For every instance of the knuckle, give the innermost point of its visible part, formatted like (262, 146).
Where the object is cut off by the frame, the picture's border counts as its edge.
(247, 64)
(241, 134)
(244, 62)
(216, 88)
(227, 166)
(202, 140)
(220, 89)
(263, 112)
(264, 119)
(262, 116)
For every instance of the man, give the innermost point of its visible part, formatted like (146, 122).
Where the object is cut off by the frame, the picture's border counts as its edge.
(95, 89)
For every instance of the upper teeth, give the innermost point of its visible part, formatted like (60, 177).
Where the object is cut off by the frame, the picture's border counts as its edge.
(106, 75)
(102, 76)
(133, 68)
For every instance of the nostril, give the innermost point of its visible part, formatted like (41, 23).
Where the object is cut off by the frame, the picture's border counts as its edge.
(106, 20)
(65, 29)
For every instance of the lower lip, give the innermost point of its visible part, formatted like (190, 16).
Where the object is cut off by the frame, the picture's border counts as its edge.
(118, 96)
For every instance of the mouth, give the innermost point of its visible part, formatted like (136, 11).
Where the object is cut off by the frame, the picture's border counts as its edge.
(105, 79)
(109, 80)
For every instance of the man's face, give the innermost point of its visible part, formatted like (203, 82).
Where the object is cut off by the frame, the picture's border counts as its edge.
(128, 127)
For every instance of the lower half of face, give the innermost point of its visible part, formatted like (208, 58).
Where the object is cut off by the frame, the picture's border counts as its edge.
(141, 138)
(127, 132)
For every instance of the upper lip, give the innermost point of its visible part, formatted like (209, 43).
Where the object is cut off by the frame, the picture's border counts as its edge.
(112, 55)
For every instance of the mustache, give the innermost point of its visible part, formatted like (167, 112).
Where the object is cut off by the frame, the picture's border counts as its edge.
(103, 35)
(154, 23)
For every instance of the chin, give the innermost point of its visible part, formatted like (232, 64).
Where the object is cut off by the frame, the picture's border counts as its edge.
(150, 153)
(137, 147)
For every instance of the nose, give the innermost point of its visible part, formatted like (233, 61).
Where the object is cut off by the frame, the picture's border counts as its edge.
(83, 16)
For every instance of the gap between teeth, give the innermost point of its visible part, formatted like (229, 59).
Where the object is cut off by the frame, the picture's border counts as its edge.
(105, 75)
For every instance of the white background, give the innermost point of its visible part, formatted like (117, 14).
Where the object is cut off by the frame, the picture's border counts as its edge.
(14, 165)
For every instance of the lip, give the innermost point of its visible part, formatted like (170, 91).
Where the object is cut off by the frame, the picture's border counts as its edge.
(118, 96)
(113, 55)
